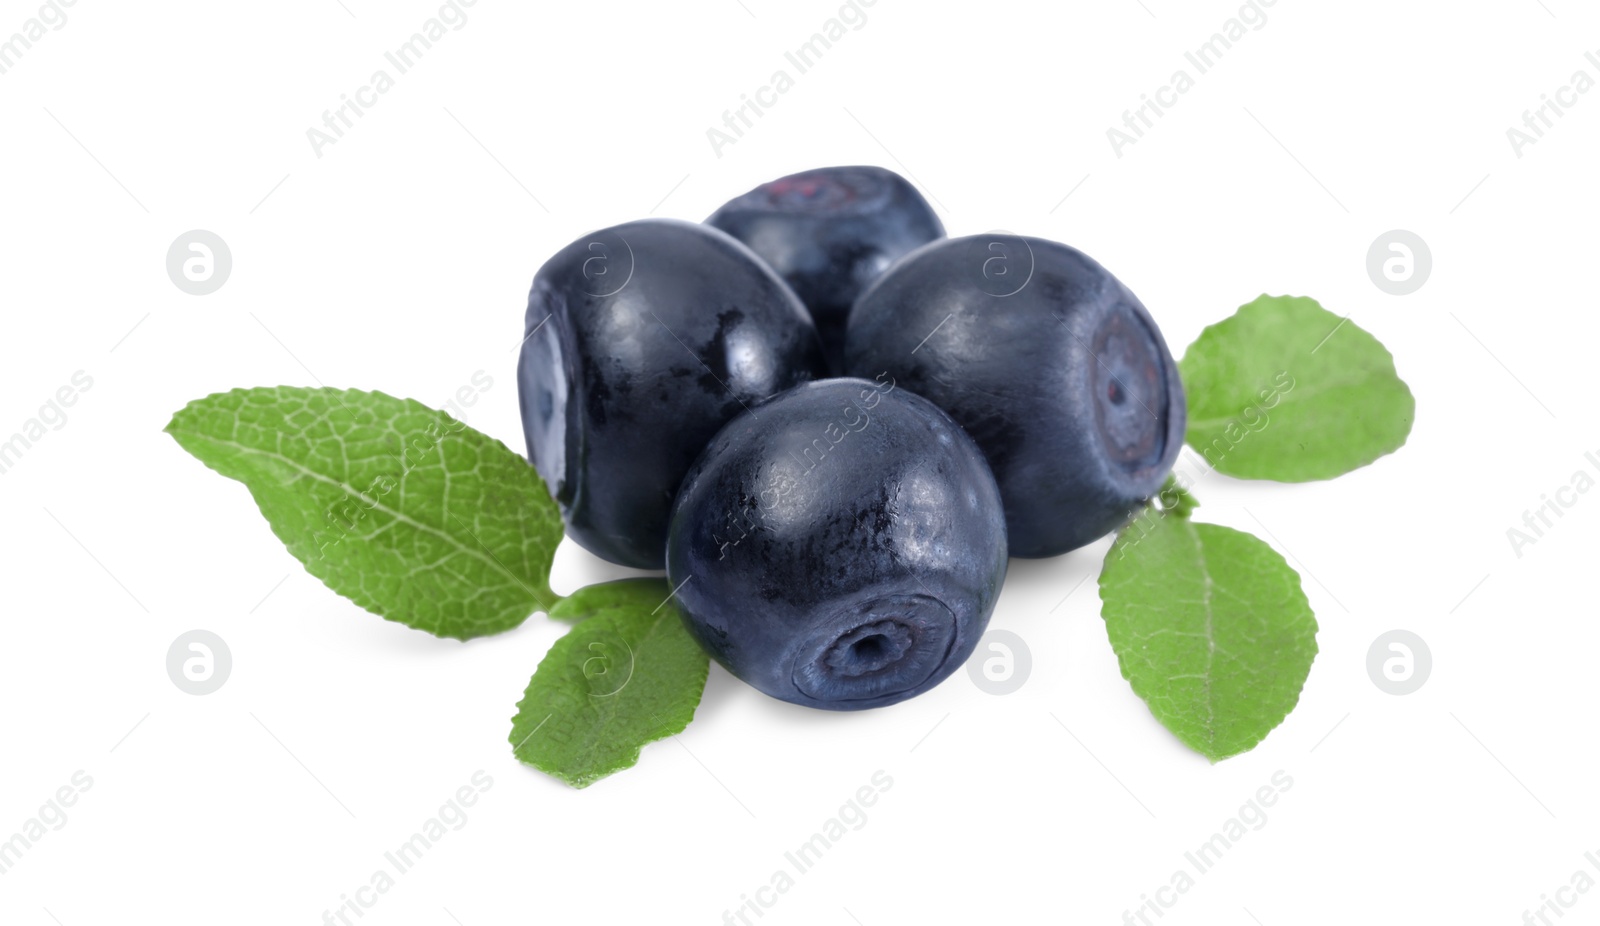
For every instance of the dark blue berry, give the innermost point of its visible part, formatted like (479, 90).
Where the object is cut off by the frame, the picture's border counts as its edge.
(1048, 361)
(829, 233)
(840, 546)
(643, 340)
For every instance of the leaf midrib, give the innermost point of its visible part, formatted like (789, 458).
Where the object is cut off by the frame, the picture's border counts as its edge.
(609, 712)
(1321, 388)
(398, 515)
(1210, 631)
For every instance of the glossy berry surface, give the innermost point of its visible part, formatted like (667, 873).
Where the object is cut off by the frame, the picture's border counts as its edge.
(1048, 361)
(829, 233)
(840, 547)
(642, 340)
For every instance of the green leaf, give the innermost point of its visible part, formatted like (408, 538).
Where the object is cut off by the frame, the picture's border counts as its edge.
(1286, 390)
(400, 508)
(607, 597)
(1211, 628)
(626, 675)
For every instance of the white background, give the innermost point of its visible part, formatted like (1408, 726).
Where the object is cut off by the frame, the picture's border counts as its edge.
(400, 260)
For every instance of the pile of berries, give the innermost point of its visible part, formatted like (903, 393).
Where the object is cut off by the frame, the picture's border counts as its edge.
(832, 425)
